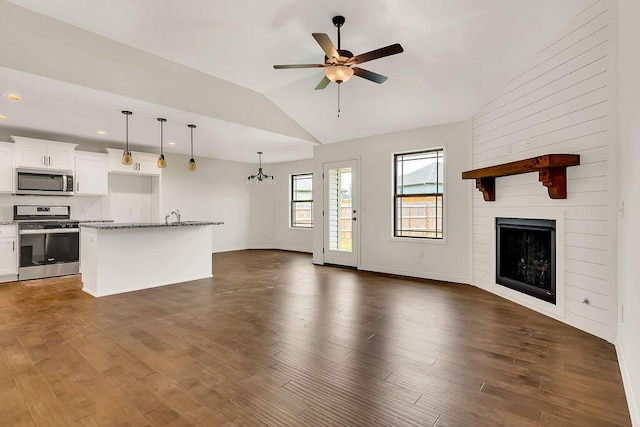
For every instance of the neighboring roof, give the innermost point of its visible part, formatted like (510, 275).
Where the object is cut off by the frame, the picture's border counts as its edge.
(425, 175)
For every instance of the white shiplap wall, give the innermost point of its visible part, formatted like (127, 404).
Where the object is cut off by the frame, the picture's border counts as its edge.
(563, 102)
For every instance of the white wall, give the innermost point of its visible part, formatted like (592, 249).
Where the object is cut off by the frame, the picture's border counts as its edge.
(82, 207)
(270, 206)
(130, 198)
(441, 260)
(628, 344)
(215, 191)
(288, 238)
(563, 102)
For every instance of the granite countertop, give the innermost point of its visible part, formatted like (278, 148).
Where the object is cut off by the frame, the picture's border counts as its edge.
(121, 226)
(82, 221)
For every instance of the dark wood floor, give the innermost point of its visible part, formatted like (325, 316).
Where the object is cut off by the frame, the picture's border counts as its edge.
(274, 340)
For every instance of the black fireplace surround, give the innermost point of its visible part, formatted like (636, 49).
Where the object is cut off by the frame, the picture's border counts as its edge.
(526, 256)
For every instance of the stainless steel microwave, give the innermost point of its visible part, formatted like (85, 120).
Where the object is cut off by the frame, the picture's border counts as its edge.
(44, 182)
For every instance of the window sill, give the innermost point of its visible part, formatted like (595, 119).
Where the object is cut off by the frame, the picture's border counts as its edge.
(419, 240)
(300, 228)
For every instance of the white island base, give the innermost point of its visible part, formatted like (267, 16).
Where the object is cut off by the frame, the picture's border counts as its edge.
(118, 258)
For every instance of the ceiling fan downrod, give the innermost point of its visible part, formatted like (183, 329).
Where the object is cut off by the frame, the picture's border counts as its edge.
(338, 21)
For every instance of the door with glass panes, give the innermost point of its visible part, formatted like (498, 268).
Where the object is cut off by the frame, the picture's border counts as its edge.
(341, 213)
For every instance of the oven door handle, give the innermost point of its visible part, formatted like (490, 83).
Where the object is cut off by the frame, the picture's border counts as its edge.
(51, 231)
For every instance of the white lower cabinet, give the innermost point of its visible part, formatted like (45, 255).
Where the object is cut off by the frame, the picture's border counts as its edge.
(8, 253)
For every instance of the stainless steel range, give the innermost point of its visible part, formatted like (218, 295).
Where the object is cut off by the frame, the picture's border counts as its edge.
(48, 240)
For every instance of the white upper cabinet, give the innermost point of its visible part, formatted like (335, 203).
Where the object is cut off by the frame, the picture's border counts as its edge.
(43, 154)
(143, 163)
(6, 167)
(92, 173)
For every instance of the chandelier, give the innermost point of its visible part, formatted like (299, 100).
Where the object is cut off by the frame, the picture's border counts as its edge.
(260, 176)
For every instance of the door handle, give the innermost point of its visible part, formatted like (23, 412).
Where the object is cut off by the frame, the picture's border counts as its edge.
(355, 219)
(14, 245)
(77, 186)
(44, 160)
(49, 160)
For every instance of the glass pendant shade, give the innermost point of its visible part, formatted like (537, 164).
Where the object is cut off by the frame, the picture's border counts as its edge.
(338, 73)
(161, 161)
(192, 162)
(127, 158)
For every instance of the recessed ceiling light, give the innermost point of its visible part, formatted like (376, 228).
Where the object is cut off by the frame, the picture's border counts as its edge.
(172, 143)
(102, 132)
(2, 117)
(12, 97)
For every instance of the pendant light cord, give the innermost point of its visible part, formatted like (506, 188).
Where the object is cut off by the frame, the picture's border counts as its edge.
(161, 138)
(127, 130)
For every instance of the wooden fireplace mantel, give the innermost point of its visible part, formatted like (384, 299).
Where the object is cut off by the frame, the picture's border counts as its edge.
(552, 169)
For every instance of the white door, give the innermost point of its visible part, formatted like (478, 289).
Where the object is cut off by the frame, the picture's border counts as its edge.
(60, 157)
(31, 155)
(91, 173)
(341, 213)
(6, 168)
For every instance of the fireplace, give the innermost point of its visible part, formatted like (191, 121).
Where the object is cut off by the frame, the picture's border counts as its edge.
(526, 256)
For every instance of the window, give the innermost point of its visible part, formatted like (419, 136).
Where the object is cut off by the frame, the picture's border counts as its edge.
(418, 194)
(302, 200)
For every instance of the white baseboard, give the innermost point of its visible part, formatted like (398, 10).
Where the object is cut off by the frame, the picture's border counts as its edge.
(623, 361)
(416, 274)
(140, 288)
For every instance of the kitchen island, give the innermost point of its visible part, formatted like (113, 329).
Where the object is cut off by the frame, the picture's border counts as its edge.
(117, 257)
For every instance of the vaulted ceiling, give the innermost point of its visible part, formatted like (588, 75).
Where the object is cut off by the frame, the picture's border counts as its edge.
(77, 63)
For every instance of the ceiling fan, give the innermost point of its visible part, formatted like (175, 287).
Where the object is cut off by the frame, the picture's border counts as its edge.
(340, 64)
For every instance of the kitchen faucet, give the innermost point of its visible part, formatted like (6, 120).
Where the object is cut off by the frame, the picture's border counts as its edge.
(166, 219)
(177, 214)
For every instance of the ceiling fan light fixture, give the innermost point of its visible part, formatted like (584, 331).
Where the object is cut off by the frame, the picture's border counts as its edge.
(338, 73)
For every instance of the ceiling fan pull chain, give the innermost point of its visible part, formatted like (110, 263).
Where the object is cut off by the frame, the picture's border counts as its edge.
(339, 99)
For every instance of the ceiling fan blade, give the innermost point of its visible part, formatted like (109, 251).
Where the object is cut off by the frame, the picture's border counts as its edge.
(378, 53)
(323, 83)
(326, 44)
(283, 67)
(369, 75)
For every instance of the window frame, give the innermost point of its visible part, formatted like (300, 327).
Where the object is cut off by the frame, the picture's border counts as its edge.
(293, 201)
(441, 206)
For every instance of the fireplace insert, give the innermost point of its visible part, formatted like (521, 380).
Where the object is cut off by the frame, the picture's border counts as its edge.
(526, 256)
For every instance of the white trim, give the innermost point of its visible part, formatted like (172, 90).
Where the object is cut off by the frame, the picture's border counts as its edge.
(416, 274)
(634, 411)
(95, 294)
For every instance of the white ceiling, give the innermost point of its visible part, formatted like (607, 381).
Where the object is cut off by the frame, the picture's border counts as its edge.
(457, 54)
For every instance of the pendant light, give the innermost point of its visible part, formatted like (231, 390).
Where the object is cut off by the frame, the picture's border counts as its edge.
(192, 162)
(161, 162)
(127, 159)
